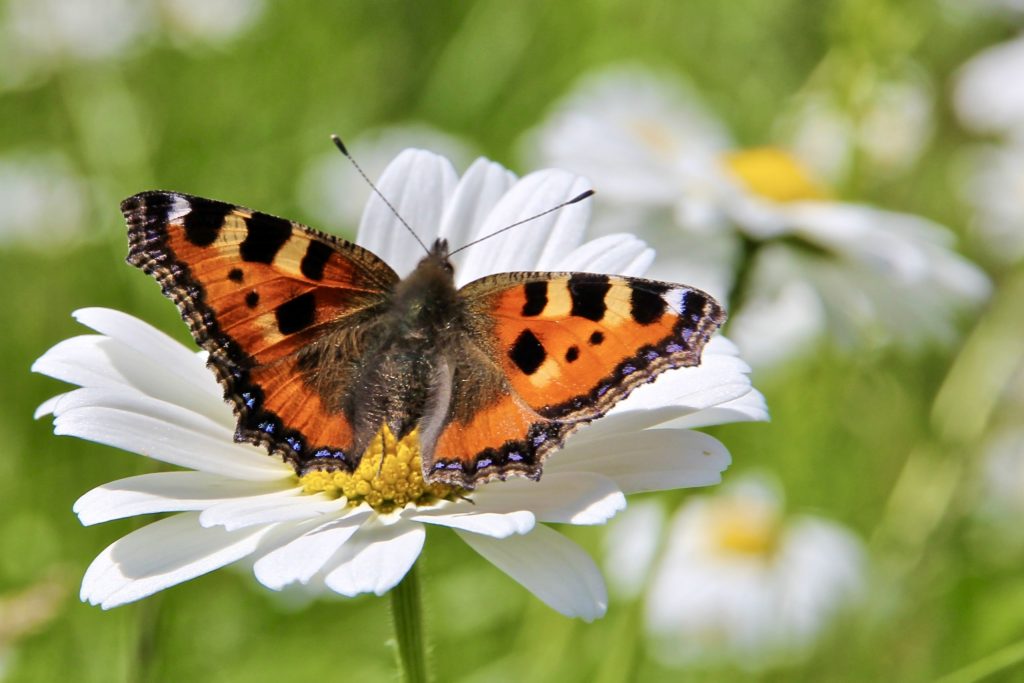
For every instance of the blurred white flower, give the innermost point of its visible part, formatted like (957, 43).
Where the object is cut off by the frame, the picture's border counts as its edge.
(994, 190)
(41, 196)
(887, 133)
(212, 21)
(39, 36)
(879, 275)
(989, 93)
(144, 392)
(334, 194)
(739, 582)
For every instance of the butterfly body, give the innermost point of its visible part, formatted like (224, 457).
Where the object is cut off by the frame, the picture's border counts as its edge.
(320, 345)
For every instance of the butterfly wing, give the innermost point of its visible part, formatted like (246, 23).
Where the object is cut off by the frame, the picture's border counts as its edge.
(261, 294)
(563, 348)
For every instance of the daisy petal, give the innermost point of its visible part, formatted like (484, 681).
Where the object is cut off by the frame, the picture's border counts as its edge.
(96, 362)
(170, 443)
(751, 407)
(612, 254)
(577, 498)
(478, 191)
(298, 560)
(551, 567)
(562, 229)
(650, 460)
(289, 505)
(418, 184)
(377, 558)
(494, 524)
(174, 358)
(163, 492)
(161, 555)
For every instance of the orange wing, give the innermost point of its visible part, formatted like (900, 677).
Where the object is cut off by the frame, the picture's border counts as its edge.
(255, 290)
(568, 347)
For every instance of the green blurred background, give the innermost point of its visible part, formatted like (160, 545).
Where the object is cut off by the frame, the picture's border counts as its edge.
(240, 115)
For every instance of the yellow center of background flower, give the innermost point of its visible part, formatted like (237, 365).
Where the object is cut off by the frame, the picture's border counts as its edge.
(774, 174)
(745, 528)
(389, 476)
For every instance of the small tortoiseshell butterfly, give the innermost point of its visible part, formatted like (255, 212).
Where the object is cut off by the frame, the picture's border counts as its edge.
(319, 344)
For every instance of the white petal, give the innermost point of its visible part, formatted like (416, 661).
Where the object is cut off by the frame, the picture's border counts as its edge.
(751, 407)
(649, 460)
(95, 361)
(129, 400)
(418, 184)
(290, 505)
(300, 559)
(576, 498)
(551, 567)
(163, 492)
(166, 354)
(620, 254)
(161, 555)
(537, 244)
(171, 443)
(377, 558)
(479, 521)
(478, 191)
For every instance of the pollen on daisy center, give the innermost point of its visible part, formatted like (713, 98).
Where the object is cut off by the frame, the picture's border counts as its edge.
(774, 174)
(745, 528)
(389, 476)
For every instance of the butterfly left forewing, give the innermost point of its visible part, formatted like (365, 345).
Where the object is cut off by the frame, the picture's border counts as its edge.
(569, 346)
(259, 294)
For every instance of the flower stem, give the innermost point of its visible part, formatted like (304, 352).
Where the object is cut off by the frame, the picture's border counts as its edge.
(406, 608)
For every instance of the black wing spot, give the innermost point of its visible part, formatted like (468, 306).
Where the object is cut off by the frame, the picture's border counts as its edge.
(536, 298)
(236, 275)
(693, 306)
(646, 302)
(315, 259)
(587, 292)
(572, 354)
(597, 338)
(297, 314)
(252, 299)
(527, 353)
(264, 238)
(204, 221)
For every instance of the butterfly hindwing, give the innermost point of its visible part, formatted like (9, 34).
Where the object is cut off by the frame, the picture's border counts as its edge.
(256, 291)
(569, 346)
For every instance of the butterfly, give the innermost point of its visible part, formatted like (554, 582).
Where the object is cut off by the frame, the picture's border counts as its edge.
(319, 344)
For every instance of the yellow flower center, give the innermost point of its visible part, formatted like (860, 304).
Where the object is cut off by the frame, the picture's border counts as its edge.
(774, 174)
(746, 528)
(389, 477)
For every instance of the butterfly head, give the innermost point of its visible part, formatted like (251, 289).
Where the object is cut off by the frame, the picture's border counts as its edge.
(439, 255)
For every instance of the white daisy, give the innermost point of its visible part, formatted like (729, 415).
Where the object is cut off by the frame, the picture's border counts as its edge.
(988, 97)
(40, 192)
(145, 393)
(646, 141)
(740, 582)
(993, 190)
(212, 21)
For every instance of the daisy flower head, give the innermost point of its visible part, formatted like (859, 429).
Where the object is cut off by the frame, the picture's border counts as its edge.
(144, 393)
(987, 96)
(778, 230)
(739, 581)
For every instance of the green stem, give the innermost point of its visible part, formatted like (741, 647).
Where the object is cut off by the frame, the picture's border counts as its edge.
(406, 607)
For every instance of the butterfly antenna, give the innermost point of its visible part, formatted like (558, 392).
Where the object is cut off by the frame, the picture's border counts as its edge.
(578, 198)
(344, 150)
